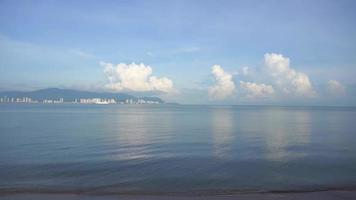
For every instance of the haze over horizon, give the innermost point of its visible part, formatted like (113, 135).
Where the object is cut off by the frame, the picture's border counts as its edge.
(200, 52)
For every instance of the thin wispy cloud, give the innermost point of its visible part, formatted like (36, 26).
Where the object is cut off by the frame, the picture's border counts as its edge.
(336, 89)
(81, 53)
(187, 50)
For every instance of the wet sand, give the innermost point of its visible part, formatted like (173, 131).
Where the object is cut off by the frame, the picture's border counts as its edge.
(326, 195)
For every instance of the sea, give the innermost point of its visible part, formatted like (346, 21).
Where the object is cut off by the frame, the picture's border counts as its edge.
(175, 149)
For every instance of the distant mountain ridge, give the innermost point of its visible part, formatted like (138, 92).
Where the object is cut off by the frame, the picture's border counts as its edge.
(71, 95)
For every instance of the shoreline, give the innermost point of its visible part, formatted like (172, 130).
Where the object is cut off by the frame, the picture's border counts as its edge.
(325, 195)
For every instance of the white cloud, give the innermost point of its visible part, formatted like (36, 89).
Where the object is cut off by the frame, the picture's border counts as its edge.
(224, 86)
(336, 88)
(255, 90)
(135, 77)
(291, 81)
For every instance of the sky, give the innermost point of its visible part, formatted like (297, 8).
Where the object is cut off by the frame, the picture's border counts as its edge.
(300, 52)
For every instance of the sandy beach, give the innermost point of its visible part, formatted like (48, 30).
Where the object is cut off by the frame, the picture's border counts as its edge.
(326, 195)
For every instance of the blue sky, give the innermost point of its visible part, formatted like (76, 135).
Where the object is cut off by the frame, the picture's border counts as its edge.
(61, 44)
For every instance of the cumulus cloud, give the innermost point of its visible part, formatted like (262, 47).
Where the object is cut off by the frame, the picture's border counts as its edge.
(255, 90)
(134, 77)
(336, 88)
(291, 81)
(224, 86)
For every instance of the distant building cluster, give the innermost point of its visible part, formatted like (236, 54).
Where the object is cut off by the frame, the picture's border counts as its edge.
(140, 101)
(17, 100)
(96, 101)
(53, 100)
(80, 101)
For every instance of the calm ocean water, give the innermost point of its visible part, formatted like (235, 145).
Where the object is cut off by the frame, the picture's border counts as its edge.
(104, 149)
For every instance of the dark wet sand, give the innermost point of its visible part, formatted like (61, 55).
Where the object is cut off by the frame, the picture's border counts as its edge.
(327, 195)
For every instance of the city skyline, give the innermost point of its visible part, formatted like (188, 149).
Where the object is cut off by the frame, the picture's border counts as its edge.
(95, 100)
(236, 52)
(56, 95)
